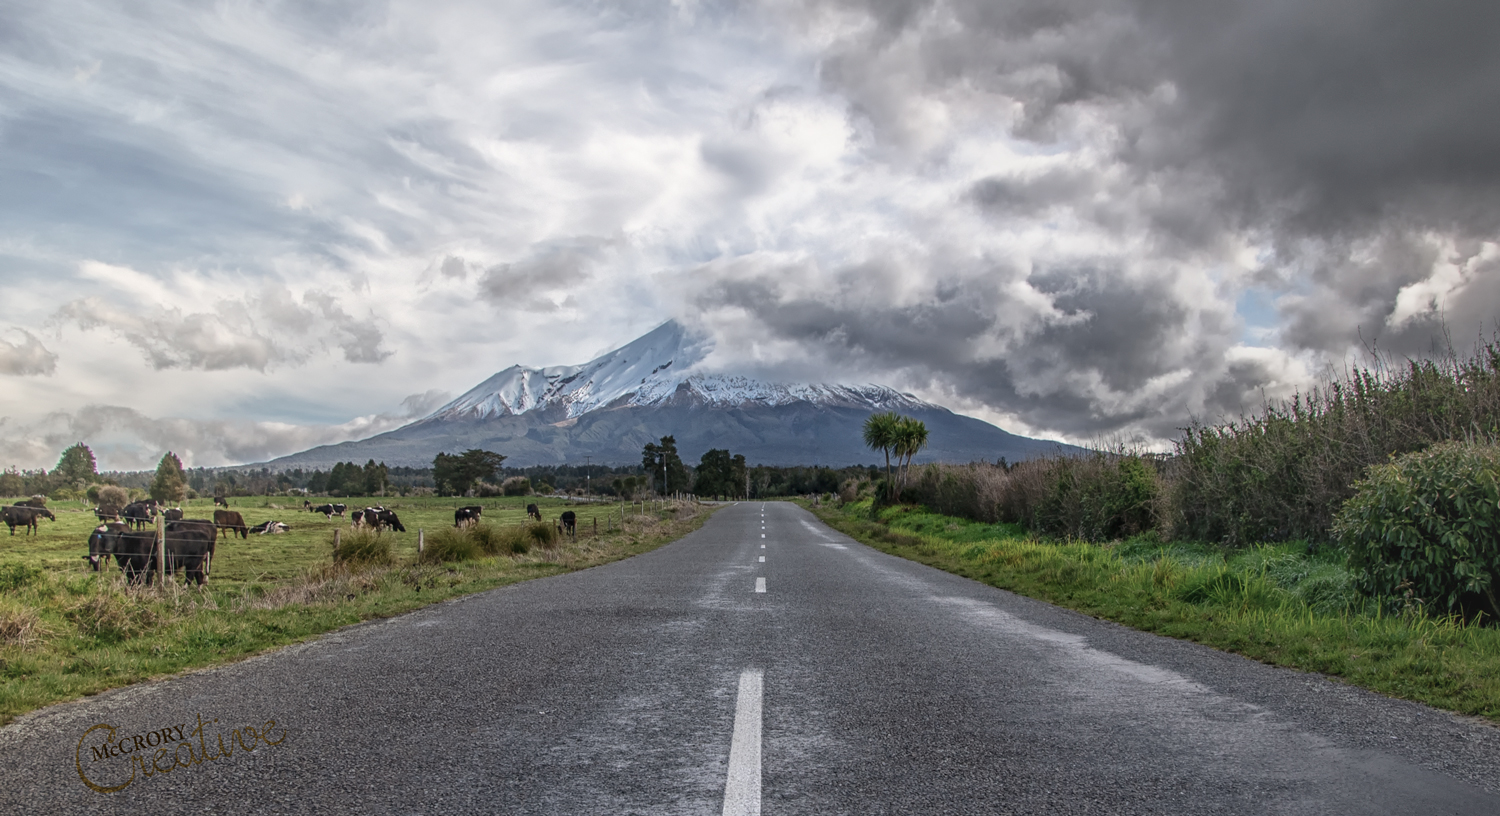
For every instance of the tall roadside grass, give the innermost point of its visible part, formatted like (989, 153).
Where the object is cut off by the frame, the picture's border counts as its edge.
(1275, 603)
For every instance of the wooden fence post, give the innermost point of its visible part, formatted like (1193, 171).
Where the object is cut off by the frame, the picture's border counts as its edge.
(161, 549)
(336, 532)
(421, 541)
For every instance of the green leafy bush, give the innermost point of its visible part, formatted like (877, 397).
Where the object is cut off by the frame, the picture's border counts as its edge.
(543, 534)
(1428, 523)
(15, 576)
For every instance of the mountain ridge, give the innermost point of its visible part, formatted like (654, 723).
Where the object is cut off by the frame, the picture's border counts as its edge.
(657, 385)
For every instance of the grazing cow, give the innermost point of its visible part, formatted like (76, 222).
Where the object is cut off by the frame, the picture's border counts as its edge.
(464, 516)
(270, 528)
(173, 513)
(34, 501)
(328, 510)
(19, 516)
(379, 517)
(533, 512)
(569, 523)
(232, 521)
(190, 548)
(138, 514)
(220, 501)
(97, 552)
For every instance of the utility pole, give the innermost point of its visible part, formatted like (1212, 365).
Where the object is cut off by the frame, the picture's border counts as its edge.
(587, 472)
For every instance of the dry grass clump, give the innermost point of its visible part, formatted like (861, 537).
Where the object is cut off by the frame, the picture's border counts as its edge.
(543, 534)
(364, 548)
(331, 584)
(448, 544)
(110, 614)
(501, 540)
(19, 624)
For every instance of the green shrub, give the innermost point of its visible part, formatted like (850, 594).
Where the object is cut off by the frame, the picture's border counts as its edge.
(448, 544)
(516, 486)
(15, 576)
(364, 547)
(1428, 523)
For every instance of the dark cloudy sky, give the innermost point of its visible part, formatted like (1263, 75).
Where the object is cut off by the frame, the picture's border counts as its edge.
(239, 229)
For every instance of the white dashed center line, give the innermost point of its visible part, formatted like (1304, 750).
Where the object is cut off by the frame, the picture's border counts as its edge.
(742, 788)
(760, 585)
(762, 559)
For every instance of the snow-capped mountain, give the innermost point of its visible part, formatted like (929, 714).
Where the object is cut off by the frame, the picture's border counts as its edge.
(608, 408)
(654, 369)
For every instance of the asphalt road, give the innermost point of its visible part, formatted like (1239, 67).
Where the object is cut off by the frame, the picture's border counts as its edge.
(854, 683)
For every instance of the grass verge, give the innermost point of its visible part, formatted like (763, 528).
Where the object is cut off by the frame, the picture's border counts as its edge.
(66, 632)
(1275, 604)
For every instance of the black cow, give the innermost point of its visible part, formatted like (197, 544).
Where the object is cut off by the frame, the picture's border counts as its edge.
(138, 514)
(569, 523)
(379, 517)
(173, 513)
(34, 501)
(533, 512)
(220, 501)
(207, 529)
(18, 516)
(230, 522)
(107, 512)
(464, 516)
(190, 548)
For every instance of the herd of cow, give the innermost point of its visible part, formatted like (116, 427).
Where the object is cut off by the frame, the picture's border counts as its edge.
(190, 543)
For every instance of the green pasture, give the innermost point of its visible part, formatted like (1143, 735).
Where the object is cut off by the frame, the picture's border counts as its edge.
(60, 545)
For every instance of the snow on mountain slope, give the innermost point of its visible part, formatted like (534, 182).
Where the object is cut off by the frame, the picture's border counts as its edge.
(650, 370)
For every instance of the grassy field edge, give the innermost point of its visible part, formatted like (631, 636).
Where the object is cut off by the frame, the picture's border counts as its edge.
(71, 636)
(1438, 662)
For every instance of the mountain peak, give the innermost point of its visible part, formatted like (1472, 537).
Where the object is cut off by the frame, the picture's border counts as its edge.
(652, 369)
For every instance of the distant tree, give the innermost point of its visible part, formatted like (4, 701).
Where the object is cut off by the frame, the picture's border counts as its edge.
(169, 484)
(317, 482)
(76, 468)
(719, 474)
(880, 433)
(664, 466)
(911, 438)
(455, 474)
(375, 477)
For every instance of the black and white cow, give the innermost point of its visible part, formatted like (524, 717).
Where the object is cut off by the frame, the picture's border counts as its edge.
(465, 516)
(380, 518)
(270, 528)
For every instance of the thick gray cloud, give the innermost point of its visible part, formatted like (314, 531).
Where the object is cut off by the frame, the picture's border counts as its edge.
(1075, 217)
